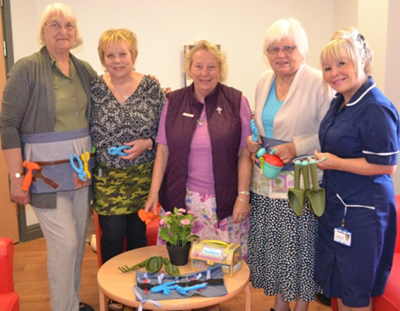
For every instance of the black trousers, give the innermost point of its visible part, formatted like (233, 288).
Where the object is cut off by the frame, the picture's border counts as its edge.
(116, 229)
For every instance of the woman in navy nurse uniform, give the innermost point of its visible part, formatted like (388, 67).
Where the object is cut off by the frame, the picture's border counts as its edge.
(359, 137)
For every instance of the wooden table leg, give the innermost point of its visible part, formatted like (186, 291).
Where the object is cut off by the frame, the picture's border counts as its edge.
(103, 301)
(248, 297)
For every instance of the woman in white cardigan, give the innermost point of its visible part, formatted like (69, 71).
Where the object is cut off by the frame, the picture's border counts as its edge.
(290, 104)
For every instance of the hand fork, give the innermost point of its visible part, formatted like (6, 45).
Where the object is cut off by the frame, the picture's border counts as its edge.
(125, 269)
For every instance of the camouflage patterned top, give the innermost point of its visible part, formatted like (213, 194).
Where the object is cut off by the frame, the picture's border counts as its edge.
(113, 124)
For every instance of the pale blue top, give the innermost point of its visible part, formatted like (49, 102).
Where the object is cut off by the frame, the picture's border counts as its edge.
(271, 108)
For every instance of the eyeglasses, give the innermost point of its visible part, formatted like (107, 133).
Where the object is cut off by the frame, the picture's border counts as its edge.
(55, 26)
(287, 49)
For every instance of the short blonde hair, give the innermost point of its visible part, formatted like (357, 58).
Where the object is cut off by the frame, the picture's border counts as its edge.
(207, 46)
(289, 28)
(349, 44)
(121, 35)
(65, 10)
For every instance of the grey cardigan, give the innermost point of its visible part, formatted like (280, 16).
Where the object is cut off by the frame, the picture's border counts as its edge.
(28, 104)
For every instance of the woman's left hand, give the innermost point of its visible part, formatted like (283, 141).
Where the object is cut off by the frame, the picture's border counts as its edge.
(240, 209)
(138, 147)
(330, 161)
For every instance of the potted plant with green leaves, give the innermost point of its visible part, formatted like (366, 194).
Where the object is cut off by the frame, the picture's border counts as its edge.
(176, 230)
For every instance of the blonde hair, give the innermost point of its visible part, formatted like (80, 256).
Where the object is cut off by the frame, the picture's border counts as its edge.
(121, 35)
(348, 43)
(59, 9)
(289, 28)
(207, 46)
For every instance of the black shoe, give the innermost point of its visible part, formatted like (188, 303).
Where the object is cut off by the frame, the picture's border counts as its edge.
(85, 307)
(324, 300)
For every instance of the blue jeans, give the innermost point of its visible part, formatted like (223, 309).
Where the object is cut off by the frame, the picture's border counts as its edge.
(118, 227)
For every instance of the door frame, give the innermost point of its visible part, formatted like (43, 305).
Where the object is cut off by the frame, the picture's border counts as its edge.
(23, 232)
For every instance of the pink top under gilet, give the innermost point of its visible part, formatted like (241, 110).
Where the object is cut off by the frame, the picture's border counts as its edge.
(201, 177)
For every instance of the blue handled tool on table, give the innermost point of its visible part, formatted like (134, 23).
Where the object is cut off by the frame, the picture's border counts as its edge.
(118, 150)
(165, 288)
(184, 290)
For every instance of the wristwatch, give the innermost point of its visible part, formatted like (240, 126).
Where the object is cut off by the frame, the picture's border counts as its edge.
(153, 143)
(244, 192)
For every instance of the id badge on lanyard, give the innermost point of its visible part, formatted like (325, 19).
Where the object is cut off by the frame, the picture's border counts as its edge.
(342, 235)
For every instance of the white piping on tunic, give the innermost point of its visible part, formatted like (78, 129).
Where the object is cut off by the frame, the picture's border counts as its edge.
(380, 153)
(369, 89)
(346, 205)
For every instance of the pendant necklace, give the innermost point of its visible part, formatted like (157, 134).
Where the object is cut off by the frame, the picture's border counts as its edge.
(200, 122)
(125, 88)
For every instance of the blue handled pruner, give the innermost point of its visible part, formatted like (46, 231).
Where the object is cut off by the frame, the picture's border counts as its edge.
(78, 169)
(118, 150)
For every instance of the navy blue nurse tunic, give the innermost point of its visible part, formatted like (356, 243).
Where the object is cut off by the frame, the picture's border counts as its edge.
(366, 127)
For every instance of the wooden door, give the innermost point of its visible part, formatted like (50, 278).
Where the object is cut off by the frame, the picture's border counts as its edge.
(8, 210)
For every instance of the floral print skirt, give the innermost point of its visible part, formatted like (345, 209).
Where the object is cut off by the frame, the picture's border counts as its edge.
(206, 226)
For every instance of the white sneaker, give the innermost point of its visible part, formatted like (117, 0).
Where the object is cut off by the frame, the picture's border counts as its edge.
(92, 243)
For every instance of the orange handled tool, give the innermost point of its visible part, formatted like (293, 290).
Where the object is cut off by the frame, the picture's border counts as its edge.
(146, 217)
(30, 166)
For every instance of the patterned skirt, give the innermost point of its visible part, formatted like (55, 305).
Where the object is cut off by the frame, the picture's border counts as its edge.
(206, 226)
(281, 249)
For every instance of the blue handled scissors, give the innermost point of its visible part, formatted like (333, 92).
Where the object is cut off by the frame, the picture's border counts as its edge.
(118, 150)
(78, 169)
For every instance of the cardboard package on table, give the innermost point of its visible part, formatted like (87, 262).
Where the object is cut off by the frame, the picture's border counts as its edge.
(209, 253)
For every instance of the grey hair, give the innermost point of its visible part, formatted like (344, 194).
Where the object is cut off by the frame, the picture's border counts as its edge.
(289, 28)
(65, 10)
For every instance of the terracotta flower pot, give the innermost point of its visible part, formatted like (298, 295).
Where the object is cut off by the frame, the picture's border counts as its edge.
(179, 255)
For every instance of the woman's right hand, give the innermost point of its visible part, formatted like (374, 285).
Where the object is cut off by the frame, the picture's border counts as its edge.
(151, 202)
(17, 194)
(253, 146)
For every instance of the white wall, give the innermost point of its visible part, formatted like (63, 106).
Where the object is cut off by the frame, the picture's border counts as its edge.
(163, 27)
(392, 74)
(375, 34)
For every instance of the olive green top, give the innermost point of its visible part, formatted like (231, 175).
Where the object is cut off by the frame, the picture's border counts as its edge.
(70, 100)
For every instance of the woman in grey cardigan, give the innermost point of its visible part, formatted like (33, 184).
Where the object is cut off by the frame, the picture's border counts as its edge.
(44, 132)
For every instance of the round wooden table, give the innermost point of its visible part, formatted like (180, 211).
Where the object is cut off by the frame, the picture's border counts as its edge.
(118, 286)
